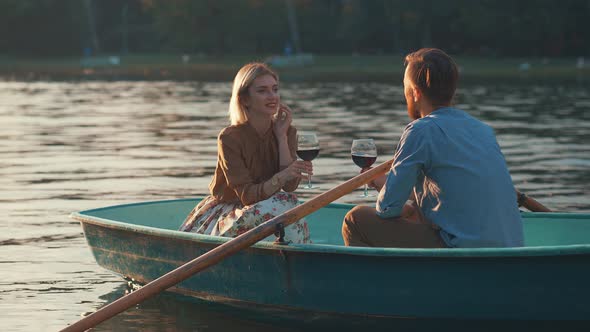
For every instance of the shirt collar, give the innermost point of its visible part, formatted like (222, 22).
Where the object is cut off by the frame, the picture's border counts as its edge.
(268, 134)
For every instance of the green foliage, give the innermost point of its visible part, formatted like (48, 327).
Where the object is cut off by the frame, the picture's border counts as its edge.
(220, 26)
(40, 26)
(223, 27)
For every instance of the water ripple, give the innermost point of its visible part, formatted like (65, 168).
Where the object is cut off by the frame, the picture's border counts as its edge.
(42, 239)
(70, 146)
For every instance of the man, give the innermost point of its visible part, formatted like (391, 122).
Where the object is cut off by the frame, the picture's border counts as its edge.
(451, 167)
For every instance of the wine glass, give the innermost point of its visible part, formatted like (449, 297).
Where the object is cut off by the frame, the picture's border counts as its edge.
(364, 154)
(308, 147)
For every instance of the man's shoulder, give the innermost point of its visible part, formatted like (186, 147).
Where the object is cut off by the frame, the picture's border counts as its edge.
(457, 113)
(418, 130)
(420, 125)
(450, 116)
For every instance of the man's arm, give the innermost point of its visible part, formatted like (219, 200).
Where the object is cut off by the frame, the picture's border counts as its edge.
(410, 159)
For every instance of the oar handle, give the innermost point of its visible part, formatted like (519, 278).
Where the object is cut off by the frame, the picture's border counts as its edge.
(530, 203)
(231, 247)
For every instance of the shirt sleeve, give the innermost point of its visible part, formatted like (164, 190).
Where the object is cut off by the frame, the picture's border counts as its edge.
(410, 158)
(237, 174)
(292, 141)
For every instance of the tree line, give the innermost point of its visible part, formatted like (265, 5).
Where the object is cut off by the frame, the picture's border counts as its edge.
(220, 27)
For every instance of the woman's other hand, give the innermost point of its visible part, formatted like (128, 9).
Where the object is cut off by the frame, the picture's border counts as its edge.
(282, 121)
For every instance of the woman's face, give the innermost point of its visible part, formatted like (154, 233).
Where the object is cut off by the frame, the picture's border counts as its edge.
(263, 96)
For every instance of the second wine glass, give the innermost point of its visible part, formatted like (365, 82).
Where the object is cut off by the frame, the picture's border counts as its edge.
(364, 154)
(308, 148)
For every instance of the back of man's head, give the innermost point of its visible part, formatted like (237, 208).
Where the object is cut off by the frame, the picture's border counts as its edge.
(434, 73)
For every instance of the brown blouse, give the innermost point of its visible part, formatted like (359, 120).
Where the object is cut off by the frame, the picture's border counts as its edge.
(245, 161)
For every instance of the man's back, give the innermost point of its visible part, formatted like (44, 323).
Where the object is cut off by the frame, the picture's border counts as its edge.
(453, 164)
(463, 184)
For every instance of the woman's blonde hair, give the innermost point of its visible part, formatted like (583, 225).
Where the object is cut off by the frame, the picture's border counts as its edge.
(243, 80)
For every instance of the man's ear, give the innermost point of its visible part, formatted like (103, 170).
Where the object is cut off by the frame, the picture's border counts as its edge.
(416, 94)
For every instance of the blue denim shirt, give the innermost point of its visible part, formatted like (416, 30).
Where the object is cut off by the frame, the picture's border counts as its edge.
(454, 164)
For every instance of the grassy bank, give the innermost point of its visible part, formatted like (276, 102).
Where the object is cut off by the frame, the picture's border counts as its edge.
(324, 68)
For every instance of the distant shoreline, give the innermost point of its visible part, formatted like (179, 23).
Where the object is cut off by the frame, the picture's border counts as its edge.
(362, 68)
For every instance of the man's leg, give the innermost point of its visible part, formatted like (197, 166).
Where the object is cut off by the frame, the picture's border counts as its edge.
(363, 228)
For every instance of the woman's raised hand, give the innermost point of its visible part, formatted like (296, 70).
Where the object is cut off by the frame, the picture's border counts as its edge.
(282, 121)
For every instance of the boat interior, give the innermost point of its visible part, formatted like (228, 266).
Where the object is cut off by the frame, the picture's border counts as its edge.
(541, 229)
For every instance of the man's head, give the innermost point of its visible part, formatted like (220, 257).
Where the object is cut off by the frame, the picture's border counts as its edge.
(430, 81)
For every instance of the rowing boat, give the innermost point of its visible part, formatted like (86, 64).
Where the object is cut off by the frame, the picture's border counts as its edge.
(545, 279)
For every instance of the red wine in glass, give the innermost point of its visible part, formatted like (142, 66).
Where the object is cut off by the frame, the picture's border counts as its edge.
(363, 161)
(308, 155)
(364, 154)
(308, 148)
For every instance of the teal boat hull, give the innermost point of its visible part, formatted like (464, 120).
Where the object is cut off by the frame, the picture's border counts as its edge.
(546, 279)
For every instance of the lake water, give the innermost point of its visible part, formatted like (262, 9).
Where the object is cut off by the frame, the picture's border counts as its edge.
(70, 146)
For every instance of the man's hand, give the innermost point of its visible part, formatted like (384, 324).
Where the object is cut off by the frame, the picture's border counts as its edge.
(377, 183)
(409, 211)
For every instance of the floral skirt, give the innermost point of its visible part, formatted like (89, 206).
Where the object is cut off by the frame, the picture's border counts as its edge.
(233, 219)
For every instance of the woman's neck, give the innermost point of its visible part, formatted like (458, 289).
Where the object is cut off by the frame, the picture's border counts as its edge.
(260, 123)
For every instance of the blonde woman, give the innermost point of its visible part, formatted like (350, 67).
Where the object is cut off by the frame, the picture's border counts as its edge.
(257, 168)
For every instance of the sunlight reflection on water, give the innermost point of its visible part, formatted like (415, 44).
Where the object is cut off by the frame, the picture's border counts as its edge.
(69, 146)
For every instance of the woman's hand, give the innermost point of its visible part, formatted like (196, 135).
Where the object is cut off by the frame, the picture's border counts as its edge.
(282, 121)
(296, 170)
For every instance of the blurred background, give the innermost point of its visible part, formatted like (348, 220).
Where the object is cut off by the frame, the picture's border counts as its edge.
(487, 28)
(339, 38)
(106, 102)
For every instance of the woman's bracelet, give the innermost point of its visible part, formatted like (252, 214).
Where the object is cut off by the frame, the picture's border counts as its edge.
(275, 181)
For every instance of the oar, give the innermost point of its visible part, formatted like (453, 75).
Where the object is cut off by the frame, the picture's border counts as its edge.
(531, 204)
(225, 250)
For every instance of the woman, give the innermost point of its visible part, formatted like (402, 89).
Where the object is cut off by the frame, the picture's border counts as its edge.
(256, 159)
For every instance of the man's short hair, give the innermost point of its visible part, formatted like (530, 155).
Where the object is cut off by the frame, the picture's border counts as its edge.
(434, 73)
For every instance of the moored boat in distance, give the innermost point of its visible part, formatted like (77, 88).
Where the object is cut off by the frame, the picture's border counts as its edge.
(547, 279)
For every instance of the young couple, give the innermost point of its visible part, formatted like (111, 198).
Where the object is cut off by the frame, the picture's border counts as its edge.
(448, 186)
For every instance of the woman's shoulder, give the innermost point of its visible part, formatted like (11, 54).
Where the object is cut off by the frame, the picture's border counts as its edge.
(232, 131)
